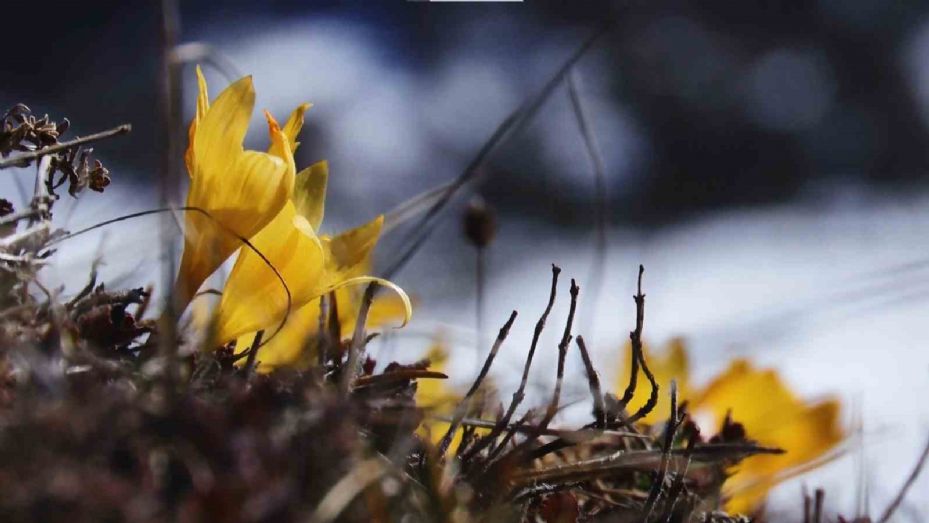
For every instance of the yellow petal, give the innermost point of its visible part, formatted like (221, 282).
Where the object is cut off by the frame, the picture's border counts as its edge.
(295, 124)
(203, 104)
(242, 191)
(210, 240)
(289, 347)
(344, 276)
(203, 96)
(437, 398)
(253, 298)
(437, 394)
(806, 434)
(310, 193)
(280, 145)
(221, 130)
(350, 252)
(739, 389)
(670, 364)
(386, 308)
(773, 416)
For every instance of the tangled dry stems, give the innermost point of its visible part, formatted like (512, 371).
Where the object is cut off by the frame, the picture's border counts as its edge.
(93, 431)
(95, 427)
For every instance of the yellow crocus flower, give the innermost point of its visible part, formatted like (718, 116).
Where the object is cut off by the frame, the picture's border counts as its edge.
(312, 266)
(242, 190)
(773, 416)
(758, 399)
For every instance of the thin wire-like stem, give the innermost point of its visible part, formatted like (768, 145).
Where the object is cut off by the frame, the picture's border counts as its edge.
(577, 434)
(901, 494)
(170, 90)
(479, 275)
(637, 460)
(512, 124)
(595, 280)
(253, 353)
(321, 340)
(412, 207)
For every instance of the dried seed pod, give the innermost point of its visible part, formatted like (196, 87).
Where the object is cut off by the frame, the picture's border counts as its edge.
(99, 177)
(480, 223)
(21, 131)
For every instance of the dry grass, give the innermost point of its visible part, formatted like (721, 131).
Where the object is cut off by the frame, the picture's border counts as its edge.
(99, 425)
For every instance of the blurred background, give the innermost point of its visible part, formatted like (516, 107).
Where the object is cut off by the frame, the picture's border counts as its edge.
(767, 162)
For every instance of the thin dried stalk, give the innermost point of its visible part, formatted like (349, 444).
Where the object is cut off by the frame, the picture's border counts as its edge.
(898, 499)
(24, 158)
(519, 395)
(463, 406)
(593, 383)
(352, 369)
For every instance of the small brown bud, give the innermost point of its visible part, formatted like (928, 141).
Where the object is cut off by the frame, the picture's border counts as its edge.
(480, 223)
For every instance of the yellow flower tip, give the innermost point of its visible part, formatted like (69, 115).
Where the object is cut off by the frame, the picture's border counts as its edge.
(244, 84)
(310, 193)
(203, 105)
(294, 124)
(273, 126)
(203, 96)
(281, 148)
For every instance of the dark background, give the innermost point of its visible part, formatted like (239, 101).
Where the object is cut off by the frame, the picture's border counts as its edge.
(833, 100)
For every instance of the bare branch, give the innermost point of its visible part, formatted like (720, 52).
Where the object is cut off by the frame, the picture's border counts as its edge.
(22, 159)
(462, 407)
(356, 351)
(520, 393)
(593, 383)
